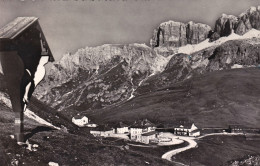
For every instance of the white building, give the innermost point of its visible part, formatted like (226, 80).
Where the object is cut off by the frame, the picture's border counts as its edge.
(194, 133)
(102, 131)
(80, 121)
(135, 133)
(186, 129)
(121, 128)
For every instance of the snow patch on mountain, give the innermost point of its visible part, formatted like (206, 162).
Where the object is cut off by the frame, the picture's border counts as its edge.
(251, 34)
(33, 116)
(237, 66)
(228, 61)
(140, 45)
(4, 98)
(133, 89)
(189, 49)
(139, 84)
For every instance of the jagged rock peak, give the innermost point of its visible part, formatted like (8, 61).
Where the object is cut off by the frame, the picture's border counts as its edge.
(176, 34)
(251, 10)
(240, 25)
(225, 24)
(90, 58)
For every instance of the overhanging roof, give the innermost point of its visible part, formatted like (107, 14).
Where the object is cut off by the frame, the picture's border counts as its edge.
(17, 27)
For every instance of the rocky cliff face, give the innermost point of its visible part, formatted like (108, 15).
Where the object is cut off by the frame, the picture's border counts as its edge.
(225, 24)
(95, 77)
(176, 34)
(240, 25)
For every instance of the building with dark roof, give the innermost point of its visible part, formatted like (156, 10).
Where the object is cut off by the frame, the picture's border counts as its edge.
(24, 32)
(139, 127)
(186, 129)
(144, 124)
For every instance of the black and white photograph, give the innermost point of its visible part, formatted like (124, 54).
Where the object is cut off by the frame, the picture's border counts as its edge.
(129, 83)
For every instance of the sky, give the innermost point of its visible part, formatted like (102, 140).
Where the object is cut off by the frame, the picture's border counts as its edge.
(72, 24)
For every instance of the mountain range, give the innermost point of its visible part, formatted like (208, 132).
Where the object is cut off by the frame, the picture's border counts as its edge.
(184, 63)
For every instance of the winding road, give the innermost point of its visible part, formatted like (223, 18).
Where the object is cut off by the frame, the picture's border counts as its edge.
(192, 144)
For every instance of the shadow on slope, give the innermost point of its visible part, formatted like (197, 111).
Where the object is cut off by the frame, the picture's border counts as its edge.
(215, 99)
(219, 150)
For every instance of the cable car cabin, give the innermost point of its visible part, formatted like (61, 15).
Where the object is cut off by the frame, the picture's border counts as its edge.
(23, 53)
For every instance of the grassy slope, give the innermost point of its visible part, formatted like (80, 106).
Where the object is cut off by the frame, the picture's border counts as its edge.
(44, 111)
(61, 147)
(214, 99)
(219, 150)
(64, 148)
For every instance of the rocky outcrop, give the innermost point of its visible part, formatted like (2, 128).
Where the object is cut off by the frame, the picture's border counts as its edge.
(95, 77)
(225, 24)
(248, 20)
(176, 34)
(214, 36)
(229, 55)
(234, 54)
(239, 25)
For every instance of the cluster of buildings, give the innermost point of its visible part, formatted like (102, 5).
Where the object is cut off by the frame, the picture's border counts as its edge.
(146, 132)
(143, 131)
